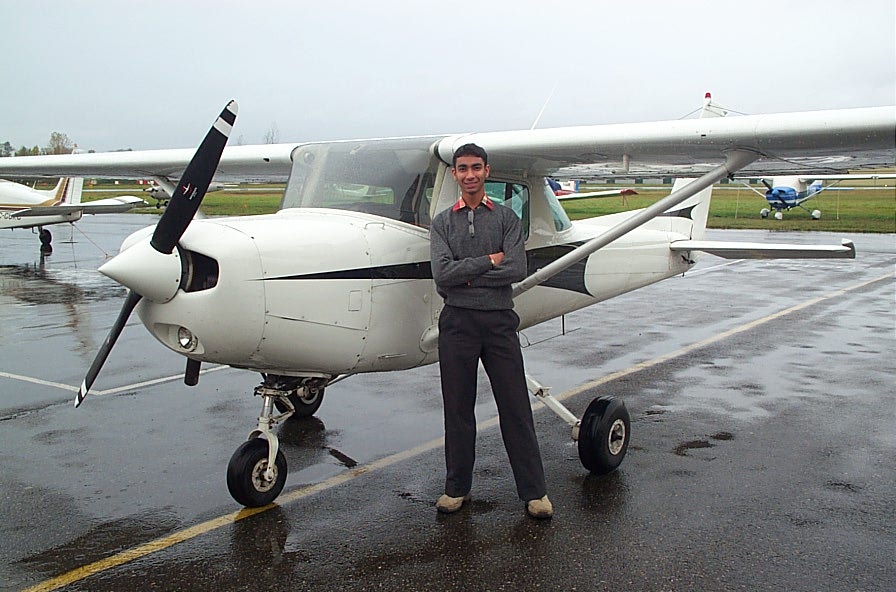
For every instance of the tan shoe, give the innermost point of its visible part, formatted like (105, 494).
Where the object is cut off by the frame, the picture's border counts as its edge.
(540, 508)
(448, 505)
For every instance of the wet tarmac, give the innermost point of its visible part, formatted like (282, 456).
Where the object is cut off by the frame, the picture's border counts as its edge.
(763, 451)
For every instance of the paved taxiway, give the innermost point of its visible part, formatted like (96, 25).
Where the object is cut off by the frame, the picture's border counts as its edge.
(763, 454)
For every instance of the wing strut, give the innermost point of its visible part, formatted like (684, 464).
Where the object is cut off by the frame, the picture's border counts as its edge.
(735, 161)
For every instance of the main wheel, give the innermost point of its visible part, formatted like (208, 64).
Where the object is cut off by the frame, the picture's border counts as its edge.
(306, 401)
(245, 474)
(46, 240)
(604, 435)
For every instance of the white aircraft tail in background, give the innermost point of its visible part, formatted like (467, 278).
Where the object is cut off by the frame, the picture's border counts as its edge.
(24, 207)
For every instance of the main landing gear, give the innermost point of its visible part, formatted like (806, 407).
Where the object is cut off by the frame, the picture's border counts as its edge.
(257, 470)
(45, 240)
(602, 434)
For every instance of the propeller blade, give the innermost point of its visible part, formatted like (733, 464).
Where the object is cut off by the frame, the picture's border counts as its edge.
(767, 184)
(181, 208)
(194, 183)
(126, 310)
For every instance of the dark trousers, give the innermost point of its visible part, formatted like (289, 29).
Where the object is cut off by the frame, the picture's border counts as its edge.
(465, 337)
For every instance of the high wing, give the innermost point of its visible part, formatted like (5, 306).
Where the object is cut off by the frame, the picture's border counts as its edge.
(847, 177)
(823, 142)
(264, 162)
(805, 143)
(112, 205)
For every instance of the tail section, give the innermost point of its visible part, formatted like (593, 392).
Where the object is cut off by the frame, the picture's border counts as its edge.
(67, 191)
(689, 217)
(71, 193)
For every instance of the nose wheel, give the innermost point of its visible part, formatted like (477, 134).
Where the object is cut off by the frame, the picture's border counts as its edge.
(249, 479)
(257, 470)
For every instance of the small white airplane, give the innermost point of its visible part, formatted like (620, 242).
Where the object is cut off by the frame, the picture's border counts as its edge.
(24, 207)
(338, 282)
(788, 192)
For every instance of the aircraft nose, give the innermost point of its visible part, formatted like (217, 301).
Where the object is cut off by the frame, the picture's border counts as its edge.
(155, 276)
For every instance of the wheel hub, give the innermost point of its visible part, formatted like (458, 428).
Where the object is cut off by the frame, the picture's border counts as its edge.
(616, 437)
(259, 481)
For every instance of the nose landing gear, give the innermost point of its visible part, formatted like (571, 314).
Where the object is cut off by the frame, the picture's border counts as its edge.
(257, 470)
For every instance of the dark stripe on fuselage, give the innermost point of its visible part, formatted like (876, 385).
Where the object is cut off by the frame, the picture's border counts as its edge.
(402, 271)
(687, 212)
(570, 279)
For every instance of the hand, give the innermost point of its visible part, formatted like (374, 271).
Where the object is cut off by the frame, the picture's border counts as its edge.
(497, 258)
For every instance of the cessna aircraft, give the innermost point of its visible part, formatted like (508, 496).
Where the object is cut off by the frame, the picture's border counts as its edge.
(785, 193)
(23, 207)
(338, 282)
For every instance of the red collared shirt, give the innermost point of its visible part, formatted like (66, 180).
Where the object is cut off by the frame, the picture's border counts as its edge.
(461, 204)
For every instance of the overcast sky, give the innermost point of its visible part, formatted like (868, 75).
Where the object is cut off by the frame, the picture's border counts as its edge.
(153, 74)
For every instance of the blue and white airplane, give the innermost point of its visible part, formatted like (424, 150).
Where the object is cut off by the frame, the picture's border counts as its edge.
(785, 193)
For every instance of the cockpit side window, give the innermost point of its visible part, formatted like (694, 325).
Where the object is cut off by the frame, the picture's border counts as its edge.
(558, 214)
(389, 178)
(512, 195)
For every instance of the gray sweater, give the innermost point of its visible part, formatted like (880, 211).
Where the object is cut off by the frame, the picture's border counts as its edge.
(461, 268)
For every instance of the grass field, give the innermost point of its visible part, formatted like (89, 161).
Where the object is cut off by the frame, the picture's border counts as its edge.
(867, 208)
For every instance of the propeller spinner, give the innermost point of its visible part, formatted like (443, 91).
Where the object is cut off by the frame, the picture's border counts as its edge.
(126, 267)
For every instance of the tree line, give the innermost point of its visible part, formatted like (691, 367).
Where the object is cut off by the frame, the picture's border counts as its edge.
(59, 144)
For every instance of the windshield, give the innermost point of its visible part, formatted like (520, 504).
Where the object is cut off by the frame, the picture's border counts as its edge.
(389, 178)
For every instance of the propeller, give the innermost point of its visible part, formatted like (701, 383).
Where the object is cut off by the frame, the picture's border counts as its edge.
(180, 211)
(767, 184)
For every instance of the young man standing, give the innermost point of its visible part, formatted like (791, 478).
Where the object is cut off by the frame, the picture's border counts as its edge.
(477, 254)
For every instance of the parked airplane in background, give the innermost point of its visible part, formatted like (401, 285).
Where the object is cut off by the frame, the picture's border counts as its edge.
(162, 189)
(338, 282)
(785, 193)
(24, 207)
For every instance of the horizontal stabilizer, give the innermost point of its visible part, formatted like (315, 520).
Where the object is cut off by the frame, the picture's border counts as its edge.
(112, 205)
(735, 250)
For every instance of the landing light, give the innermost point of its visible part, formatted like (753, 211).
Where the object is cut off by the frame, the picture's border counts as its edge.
(186, 339)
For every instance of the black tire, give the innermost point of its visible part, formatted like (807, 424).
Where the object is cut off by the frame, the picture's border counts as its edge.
(305, 406)
(604, 435)
(245, 474)
(45, 237)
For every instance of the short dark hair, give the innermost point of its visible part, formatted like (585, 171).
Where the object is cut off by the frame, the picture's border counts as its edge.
(470, 150)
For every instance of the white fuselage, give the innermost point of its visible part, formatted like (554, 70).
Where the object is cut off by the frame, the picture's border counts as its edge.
(329, 292)
(339, 280)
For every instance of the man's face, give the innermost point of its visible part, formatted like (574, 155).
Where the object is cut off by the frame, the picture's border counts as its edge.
(470, 173)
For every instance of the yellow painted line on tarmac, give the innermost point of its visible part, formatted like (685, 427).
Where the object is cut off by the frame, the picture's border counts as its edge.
(165, 542)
